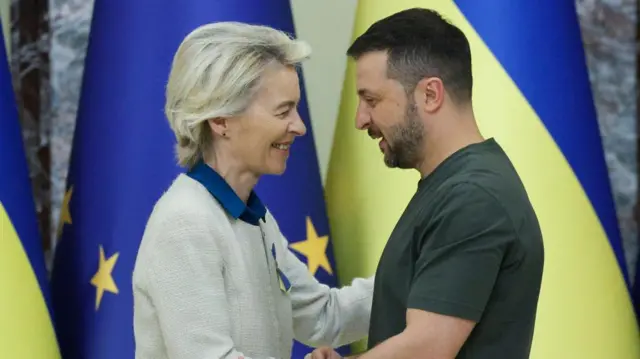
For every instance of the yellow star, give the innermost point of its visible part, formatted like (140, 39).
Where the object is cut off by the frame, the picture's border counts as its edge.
(103, 280)
(315, 249)
(65, 215)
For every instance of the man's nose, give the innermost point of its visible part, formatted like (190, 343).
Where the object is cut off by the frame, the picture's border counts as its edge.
(363, 118)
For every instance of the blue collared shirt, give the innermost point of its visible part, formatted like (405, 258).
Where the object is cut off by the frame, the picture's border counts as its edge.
(251, 212)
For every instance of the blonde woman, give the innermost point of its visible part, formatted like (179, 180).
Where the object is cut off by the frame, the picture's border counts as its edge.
(214, 277)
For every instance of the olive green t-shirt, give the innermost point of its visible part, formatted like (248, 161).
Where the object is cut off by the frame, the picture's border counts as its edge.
(468, 245)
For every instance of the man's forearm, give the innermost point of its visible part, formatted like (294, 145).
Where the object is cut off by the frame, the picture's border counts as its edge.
(408, 345)
(401, 346)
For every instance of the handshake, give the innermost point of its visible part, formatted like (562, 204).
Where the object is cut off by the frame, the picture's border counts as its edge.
(323, 353)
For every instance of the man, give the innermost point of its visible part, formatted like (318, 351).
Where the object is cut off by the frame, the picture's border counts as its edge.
(460, 275)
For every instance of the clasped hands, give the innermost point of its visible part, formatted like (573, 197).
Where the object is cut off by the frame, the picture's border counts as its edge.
(323, 353)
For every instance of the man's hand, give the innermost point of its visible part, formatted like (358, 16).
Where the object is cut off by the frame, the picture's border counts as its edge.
(324, 353)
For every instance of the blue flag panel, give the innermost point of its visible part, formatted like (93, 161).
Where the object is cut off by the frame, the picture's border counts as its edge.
(122, 161)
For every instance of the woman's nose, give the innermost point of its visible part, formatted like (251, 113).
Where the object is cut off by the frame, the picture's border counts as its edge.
(297, 126)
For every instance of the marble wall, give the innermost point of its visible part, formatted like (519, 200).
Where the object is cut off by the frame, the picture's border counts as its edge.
(609, 35)
(609, 28)
(30, 34)
(70, 22)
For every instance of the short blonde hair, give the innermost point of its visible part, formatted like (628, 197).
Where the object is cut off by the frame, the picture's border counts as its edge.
(215, 73)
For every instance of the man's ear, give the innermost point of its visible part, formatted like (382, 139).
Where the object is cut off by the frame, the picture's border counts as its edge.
(218, 126)
(429, 94)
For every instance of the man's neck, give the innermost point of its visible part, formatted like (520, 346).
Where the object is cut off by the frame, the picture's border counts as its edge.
(443, 141)
(242, 182)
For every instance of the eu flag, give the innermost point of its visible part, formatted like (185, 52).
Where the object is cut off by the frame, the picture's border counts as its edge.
(26, 329)
(122, 160)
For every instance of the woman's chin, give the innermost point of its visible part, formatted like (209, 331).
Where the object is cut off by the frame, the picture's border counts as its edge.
(275, 168)
(280, 170)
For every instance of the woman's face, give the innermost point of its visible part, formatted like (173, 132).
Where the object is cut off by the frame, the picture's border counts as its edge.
(260, 139)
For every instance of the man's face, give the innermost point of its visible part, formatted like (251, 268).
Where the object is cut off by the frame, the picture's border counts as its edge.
(387, 113)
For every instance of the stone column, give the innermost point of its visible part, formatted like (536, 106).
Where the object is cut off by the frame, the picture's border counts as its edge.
(608, 33)
(30, 67)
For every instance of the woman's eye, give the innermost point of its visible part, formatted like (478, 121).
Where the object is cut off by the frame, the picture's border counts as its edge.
(284, 114)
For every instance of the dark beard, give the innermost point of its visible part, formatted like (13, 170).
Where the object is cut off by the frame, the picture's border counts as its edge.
(405, 142)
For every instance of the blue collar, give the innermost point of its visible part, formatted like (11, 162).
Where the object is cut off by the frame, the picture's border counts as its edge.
(251, 213)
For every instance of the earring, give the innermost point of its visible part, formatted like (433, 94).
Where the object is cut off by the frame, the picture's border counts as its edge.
(224, 134)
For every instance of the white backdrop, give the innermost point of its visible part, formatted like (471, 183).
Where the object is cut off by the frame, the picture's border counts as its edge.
(324, 73)
(4, 15)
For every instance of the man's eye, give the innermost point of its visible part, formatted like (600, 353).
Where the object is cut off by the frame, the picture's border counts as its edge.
(284, 114)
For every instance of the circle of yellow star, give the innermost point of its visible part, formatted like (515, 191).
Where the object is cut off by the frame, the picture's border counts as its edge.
(314, 248)
(103, 280)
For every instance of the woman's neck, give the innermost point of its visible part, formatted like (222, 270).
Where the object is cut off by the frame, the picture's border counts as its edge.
(242, 182)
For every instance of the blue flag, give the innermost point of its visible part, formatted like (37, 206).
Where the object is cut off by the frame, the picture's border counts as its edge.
(26, 329)
(122, 161)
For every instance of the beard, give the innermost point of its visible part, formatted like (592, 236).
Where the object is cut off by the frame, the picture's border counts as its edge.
(405, 141)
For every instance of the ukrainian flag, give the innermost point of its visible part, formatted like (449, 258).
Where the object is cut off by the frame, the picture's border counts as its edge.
(26, 329)
(531, 92)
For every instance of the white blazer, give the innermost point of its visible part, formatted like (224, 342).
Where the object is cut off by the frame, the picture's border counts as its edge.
(205, 286)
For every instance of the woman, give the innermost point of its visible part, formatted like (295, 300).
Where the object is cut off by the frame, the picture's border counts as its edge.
(214, 277)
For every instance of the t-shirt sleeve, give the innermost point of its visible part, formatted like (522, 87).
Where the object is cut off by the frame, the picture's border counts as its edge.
(461, 249)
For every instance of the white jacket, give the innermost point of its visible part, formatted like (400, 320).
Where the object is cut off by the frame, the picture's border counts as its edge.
(205, 287)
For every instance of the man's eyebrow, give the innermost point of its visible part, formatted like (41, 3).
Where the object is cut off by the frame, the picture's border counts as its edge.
(365, 92)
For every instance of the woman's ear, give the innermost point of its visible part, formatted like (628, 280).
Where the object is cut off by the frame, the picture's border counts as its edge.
(218, 126)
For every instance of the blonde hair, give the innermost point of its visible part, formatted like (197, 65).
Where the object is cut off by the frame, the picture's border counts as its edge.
(215, 73)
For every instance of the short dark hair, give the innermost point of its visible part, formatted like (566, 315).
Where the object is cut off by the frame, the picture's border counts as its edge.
(420, 43)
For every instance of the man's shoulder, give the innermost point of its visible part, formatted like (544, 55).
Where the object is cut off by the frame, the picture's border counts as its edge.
(461, 206)
(458, 195)
(486, 198)
(494, 182)
(462, 191)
